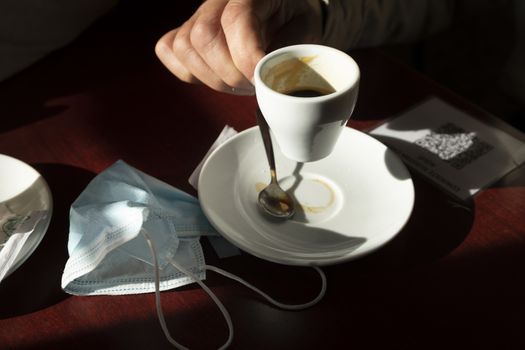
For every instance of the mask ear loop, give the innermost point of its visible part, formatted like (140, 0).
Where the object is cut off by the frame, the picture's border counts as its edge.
(158, 305)
(219, 304)
(270, 299)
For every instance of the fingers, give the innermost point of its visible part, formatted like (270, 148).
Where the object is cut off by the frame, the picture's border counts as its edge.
(252, 27)
(208, 39)
(198, 52)
(179, 55)
(221, 44)
(165, 53)
(244, 29)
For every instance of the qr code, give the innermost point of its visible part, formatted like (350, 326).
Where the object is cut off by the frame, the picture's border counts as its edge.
(454, 145)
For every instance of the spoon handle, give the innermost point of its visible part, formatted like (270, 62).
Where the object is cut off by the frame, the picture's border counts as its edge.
(267, 140)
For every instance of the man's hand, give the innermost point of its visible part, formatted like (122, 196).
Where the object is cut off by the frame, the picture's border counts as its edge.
(222, 42)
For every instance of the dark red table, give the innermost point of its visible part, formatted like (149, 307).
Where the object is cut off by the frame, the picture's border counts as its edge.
(453, 278)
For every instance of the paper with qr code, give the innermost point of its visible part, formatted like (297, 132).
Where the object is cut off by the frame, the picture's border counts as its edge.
(454, 150)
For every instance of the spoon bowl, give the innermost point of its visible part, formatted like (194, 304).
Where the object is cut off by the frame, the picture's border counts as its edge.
(276, 202)
(273, 199)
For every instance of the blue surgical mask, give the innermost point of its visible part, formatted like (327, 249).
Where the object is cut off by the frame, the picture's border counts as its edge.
(107, 253)
(131, 233)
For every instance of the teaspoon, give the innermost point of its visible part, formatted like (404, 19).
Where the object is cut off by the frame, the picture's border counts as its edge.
(273, 199)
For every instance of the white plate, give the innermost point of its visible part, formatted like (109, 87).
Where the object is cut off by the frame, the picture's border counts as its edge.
(22, 191)
(352, 202)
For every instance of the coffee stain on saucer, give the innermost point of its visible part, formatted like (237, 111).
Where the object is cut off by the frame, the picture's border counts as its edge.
(310, 209)
(319, 209)
(259, 186)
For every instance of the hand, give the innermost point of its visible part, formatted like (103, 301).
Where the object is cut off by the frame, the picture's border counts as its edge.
(222, 42)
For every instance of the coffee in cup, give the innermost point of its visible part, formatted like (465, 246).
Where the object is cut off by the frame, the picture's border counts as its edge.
(306, 93)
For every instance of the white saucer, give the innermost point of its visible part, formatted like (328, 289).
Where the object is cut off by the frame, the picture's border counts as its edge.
(353, 202)
(22, 191)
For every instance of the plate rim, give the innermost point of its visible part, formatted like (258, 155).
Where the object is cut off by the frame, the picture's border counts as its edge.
(293, 261)
(41, 228)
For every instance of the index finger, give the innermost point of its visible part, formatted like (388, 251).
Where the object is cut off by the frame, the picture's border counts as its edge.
(244, 27)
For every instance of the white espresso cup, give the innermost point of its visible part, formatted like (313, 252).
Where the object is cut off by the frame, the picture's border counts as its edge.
(306, 93)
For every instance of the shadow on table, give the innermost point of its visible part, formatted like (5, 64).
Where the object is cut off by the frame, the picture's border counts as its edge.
(438, 224)
(515, 178)
(36, 284)
(124, 41)
(130, 322)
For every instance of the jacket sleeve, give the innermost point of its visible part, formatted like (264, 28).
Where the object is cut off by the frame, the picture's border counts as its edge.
(362, 23)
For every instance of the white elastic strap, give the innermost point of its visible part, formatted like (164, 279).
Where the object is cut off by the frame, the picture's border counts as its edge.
(212, 295)
(158, 305)
(270, 299)
(221, 307)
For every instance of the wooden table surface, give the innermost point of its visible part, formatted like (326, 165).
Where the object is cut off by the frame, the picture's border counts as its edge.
(453, 277)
